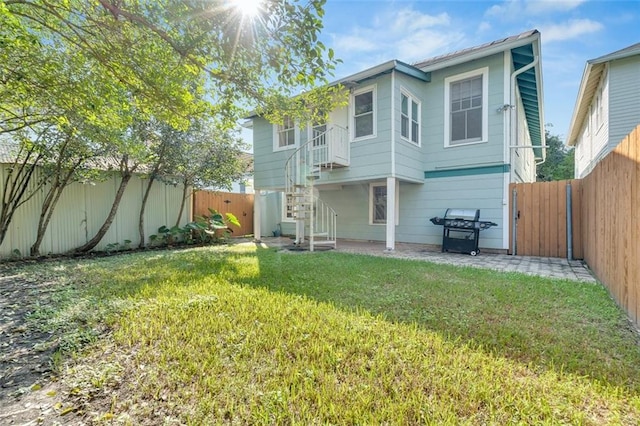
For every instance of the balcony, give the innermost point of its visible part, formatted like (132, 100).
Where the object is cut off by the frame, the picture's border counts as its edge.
(329, 147)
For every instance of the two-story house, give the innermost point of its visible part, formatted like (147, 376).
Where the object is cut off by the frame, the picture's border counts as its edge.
(607, 107)
(448, 132)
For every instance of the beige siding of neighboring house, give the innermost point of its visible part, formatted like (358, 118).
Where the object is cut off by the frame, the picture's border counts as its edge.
(590, 147)
(625, 98)
(83, 208)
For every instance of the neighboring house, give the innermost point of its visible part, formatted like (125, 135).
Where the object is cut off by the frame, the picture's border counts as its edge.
(607, 108)
(448, 132)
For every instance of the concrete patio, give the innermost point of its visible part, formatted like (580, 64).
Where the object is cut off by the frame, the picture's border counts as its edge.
(575, 270)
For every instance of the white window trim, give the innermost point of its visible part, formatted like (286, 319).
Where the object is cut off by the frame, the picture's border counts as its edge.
(284, 210)
(276, 138)
(397, 206)
(352, 110)
(412, 98)
(485, 106)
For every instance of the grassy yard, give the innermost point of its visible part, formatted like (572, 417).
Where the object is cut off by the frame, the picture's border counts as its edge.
(250, 335)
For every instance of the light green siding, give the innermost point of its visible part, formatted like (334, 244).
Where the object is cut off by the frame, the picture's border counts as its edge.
(436, 156)
(430, 174)
(408, 156)
(624, 99)
(351, 204)
(419, 203)
(268, 165)
(270, 213)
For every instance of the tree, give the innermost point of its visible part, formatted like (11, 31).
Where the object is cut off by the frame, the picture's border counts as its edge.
(559, 160)
(125, 63)
(206, 157)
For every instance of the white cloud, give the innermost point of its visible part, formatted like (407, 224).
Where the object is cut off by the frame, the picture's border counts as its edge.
(405, 34)
(410, 20)
(548, 6)
(511, 10)
(507, 10)
(571, 29)
(426, 43)
(484, 26)
(356, 43)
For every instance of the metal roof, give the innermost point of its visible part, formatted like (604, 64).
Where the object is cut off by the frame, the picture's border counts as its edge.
(593, 70)
(480, 51)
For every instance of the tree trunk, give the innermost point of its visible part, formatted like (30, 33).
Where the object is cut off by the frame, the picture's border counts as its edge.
(49, 205)
(152, 178)
(147, 191)
(13, 192)
(185, 189)
(126, 177)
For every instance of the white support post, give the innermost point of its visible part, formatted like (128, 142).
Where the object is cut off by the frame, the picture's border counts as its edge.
(257, 207)
(391, 214)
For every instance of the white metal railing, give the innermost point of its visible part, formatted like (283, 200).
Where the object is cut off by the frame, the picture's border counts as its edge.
(325, 149)
(323, 224)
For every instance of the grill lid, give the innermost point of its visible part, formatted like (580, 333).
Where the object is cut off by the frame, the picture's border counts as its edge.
(463, 214)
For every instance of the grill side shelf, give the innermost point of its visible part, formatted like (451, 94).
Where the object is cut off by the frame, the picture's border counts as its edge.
(437, 220)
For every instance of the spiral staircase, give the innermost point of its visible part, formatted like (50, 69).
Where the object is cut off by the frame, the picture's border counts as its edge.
(315, 220)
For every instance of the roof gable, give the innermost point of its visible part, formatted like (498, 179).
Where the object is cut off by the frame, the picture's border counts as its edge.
(593, 70)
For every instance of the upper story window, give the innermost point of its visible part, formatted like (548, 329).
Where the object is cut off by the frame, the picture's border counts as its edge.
(409, 118)
(466, 112)
(285, 135)
(364, 113)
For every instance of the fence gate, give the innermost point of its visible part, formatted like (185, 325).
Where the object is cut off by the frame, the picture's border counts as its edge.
(241, 205)
(539, 212)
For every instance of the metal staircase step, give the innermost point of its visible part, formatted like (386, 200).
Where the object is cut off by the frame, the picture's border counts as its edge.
(324, 243)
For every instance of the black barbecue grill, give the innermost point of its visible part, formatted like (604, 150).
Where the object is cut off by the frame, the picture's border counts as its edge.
(461, 230)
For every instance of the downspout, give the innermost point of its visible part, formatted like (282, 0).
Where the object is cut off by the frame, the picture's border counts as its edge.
(512, 101)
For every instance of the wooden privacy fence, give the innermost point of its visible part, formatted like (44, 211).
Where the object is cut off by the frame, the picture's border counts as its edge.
(241, 205)
(539, 210)
(611, 223)
(605, 221)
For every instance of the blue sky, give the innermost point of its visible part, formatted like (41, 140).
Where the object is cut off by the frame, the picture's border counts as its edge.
(366, 33)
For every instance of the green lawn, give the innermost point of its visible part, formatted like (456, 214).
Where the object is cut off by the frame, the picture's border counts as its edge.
(246, 335)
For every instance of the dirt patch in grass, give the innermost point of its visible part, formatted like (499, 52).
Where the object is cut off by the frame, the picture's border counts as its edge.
(28, 390)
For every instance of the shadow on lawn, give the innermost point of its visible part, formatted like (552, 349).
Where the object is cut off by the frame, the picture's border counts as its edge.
(549, 324)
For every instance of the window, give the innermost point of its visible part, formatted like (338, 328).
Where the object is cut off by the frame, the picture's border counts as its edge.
(364, 123)
(378, 201)
(287, 208)
(409, 118)
(285, 135)
(466, 114)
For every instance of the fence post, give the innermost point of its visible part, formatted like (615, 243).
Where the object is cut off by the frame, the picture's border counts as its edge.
(514, 225)
(569, 224)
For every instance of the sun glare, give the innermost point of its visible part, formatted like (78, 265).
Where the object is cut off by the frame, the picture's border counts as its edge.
(249, 8)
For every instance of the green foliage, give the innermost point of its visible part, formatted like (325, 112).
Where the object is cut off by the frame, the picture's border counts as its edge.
(116, 247)
(213, 228)
(559, 163)
(115, 81)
